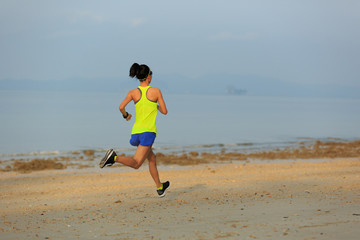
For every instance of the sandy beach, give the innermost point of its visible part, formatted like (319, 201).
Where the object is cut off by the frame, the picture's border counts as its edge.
(284, 199)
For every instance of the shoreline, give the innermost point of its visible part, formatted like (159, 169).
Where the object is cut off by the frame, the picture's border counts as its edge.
(290, 199)
(89, 159)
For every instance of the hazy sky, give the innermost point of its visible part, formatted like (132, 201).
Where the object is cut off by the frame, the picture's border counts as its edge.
(298, 41)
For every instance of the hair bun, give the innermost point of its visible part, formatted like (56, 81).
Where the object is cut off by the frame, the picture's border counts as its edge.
(134, 70)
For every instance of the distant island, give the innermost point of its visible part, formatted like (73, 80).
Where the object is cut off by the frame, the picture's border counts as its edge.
(231, 90)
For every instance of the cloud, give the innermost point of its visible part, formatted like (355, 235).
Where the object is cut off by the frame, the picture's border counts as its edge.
(228, 36)
(136, 22)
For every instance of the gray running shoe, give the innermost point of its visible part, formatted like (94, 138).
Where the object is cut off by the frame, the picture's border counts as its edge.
(109, 159)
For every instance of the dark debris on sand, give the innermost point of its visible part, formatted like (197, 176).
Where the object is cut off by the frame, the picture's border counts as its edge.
(88, 158)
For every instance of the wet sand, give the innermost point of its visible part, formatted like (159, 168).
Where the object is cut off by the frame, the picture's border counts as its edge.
(290, 199)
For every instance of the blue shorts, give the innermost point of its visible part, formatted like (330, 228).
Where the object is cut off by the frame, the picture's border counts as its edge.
(144, 139)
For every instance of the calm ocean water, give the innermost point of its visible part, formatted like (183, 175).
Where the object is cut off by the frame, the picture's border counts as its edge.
(68, 121)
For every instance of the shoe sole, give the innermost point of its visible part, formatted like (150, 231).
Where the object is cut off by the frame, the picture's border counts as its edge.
(163, 195)
(104, 160)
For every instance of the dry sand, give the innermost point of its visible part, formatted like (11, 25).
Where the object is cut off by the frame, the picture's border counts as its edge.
(289, 199)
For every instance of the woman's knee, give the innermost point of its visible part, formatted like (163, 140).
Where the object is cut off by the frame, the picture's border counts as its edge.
(152, 158)
(136, 164)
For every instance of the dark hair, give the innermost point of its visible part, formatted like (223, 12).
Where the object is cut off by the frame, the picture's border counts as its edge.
(140, 71)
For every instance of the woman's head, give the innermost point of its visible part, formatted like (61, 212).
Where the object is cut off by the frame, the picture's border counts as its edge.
(141, 72)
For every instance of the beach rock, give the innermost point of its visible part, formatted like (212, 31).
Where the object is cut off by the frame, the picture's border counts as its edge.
(160, 155)
(89, 152)
(36, 165)
(194, 154)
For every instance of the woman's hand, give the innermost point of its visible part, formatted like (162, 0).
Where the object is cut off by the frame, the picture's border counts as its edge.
(128, 117)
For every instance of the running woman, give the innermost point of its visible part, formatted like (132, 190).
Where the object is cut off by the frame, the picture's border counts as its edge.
(148, 101)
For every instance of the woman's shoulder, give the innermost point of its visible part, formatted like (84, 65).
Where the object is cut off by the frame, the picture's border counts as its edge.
(154, 89)
(135, 90)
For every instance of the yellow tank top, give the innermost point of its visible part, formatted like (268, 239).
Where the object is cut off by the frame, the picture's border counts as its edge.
(146, 112)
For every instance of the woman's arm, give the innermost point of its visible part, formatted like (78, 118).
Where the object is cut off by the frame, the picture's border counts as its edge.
(124, 103)
(162, 106)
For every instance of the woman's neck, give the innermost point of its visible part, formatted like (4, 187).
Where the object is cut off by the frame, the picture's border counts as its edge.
(144, 83)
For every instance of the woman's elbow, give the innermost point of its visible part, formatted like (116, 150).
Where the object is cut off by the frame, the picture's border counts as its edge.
(163, 111)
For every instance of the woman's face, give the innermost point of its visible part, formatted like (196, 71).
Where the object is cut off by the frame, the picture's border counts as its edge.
(149, 78)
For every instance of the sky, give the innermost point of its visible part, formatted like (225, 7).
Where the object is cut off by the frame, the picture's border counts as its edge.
(307, 41)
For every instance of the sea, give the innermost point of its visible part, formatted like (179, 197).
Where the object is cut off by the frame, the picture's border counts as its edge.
(57, 122)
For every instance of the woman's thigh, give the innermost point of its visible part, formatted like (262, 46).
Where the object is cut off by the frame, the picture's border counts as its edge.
(142, 153)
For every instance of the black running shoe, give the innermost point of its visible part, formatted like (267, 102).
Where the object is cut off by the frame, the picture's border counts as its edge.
(109, 159)
(165, 187)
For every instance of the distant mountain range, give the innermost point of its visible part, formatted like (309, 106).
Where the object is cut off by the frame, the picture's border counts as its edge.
(219, 84)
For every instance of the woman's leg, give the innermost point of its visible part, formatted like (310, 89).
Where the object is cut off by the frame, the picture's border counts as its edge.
(141, 154)
(153, 169)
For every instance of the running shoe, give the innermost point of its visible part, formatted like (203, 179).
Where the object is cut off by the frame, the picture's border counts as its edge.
(109, 159)
(165, 187)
